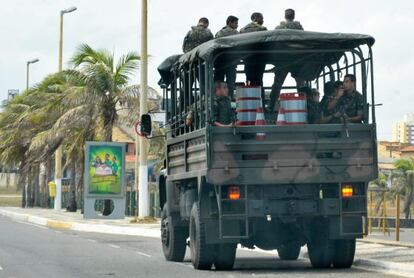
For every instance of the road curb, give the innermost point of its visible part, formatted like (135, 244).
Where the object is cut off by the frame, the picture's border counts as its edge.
(82, 227)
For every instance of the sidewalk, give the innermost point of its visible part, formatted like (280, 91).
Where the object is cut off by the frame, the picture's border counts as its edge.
(372, 254)
(74, 221)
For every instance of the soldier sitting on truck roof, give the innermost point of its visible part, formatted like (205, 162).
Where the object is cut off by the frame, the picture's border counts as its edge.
(281, 73)
(348, 104)
(222, 112)
(290, 22)
(197, 35)
(253, 67)
(226, 68)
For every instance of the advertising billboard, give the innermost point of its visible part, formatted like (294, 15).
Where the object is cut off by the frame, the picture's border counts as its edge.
(105, 163)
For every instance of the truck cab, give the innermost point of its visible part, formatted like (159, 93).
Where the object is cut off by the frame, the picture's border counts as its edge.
(302, 184)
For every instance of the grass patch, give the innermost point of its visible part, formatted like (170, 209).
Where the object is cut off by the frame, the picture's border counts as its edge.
(10, 201)
(9, 191)
(145, 220)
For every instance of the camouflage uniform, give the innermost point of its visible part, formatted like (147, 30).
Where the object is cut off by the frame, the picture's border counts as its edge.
(323, 106)
(252, 27)
(351, 104)
(294, 25)
(196, 36)
(313, 111)
(222, 111)
(226, 31)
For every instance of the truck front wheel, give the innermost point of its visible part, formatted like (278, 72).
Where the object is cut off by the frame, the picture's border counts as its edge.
(173, 238)
(344, 253)
(202, 254)
(289, 252)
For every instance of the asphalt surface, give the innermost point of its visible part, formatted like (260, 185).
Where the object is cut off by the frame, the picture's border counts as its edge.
(27, 250)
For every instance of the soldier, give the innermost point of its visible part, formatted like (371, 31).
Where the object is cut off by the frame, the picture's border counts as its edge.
(224, 68)
(222, 112)
(232, 23)
(255, 25)
(197, 35)
(290, 22)
(281, 74)
(254, 69)
(331, 89)
(349, 104)
(311, 105)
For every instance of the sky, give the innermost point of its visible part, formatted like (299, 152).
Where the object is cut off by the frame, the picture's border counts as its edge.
(30, 29)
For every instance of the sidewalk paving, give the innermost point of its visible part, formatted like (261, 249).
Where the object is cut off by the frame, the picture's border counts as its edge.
(372, 254)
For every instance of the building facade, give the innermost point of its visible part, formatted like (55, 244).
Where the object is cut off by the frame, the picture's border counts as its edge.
(403, 132)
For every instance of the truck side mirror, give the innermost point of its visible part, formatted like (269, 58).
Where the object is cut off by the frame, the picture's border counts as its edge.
(146, 125)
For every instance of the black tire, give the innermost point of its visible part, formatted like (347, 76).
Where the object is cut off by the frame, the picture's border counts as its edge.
(202, 254)
(225, 256)
(173, 239)
(344, 253)
(321, 253)
(289, 252)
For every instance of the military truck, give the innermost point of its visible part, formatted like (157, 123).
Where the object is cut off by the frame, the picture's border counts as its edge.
(300, 185)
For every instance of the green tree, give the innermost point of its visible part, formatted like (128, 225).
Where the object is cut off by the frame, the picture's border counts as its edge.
(406, 168)
(105, 85)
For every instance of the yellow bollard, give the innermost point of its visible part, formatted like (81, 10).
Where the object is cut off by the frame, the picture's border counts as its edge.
(397, 220)
(384, 212)
(370, 213)
(52, 189)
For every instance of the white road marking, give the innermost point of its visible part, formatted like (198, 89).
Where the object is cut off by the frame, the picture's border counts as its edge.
(114, 246)
(143, 254)
(186, 265)
(31, 224)
(1, 268)
(58, 232)
(91, 240)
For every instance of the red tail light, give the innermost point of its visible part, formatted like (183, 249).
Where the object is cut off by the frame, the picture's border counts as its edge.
(234, 192)
(347, 191)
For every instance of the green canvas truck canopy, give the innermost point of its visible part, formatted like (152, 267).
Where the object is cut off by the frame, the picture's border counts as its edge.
(282, 40)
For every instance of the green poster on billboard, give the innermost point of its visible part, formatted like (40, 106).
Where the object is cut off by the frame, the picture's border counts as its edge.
(105, 168)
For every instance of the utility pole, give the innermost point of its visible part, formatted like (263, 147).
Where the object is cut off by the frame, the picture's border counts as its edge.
(143, 203)
(59, 151)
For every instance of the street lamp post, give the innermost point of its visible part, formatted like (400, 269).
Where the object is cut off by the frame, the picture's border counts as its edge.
(59, 151)
(27, 71)
(143, 163)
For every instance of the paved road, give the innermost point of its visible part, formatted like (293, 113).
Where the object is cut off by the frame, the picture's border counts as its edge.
(28, 250)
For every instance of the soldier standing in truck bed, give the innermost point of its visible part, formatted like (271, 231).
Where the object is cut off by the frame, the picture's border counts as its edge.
(197, 35)
(222, 112)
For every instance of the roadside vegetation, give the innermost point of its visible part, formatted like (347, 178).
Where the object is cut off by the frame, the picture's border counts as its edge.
(66, 109)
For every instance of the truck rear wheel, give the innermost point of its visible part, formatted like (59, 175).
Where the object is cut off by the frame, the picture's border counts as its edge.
(344, 253)
(202, 254)
(173, 239)
(289, 252)
(225, 256)
(321, 253)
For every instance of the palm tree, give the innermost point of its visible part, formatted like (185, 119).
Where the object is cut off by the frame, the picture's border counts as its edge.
(406, 167)
(105, 85)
